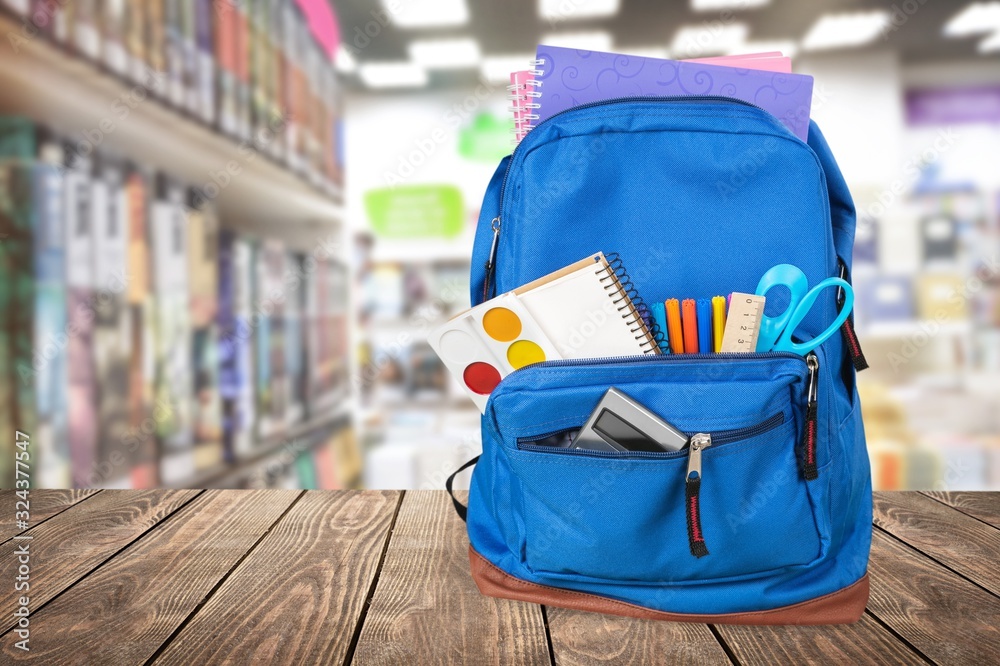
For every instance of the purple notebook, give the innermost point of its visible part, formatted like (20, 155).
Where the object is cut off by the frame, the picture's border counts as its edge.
(571, 77)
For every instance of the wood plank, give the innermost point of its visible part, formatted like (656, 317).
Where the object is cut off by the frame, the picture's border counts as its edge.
(68, 546)
(864, 642)
(941, 614)
(580, 639)
(984, 506)
(298, 597)
(426, 608)
(956, 540)
(42, 505)
(124, 611)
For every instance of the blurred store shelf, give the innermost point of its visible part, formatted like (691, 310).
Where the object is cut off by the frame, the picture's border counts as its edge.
(87, 103)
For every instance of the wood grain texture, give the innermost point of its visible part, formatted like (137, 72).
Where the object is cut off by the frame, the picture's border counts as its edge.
(42, 505)
(984, 506)
(941, 614)
(297, 597)
(122, 612)
(580, 639)
(954, 539)
(426, 608)
(68, 546)
(864, 642)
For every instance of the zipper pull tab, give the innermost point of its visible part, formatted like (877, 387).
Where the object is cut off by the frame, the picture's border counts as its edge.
(491, 260)
(692, 489)
(847, 330)
(810, 432)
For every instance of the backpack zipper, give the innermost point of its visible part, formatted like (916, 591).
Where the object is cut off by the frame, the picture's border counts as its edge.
(680, 99)
(692, 492)
(810, 430)
(718, 437)
(654, 358)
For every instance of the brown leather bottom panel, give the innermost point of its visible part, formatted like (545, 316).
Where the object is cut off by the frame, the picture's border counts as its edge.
(841, 607)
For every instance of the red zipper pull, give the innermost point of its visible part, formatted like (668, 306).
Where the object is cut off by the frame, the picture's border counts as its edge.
(847, 330)
(810, 431)
(853, 346)
(692, 489)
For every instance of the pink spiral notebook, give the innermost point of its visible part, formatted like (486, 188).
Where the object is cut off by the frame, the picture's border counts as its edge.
(564, 78)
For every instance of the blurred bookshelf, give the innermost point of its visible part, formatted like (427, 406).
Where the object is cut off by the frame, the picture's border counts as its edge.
(172, 247)
(418, 425)
(928, 315)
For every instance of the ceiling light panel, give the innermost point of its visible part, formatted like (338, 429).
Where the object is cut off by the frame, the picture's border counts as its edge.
(570, 10)
(446, 53)
(393, 75)
(707, 39)
(413, 14)
(976, 19)
(719, 5)
(497, 69)
(594, 40)
(833, 31)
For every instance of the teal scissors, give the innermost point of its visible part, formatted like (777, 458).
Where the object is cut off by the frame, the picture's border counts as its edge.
(776, 332)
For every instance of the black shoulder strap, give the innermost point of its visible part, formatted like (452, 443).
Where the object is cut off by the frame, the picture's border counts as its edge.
(460, 508)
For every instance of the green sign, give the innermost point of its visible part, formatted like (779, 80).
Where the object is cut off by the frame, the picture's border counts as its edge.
(487, 139)
(416, 211)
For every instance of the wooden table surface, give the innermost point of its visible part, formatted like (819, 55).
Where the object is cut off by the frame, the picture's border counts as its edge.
(382, 577)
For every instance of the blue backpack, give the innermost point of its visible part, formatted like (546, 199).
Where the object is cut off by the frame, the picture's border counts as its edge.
(699, 196)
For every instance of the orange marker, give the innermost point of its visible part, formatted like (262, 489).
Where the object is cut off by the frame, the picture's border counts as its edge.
(674, 326)
(690, 321)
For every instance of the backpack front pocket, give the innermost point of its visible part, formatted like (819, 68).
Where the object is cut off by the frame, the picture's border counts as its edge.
(632, 516)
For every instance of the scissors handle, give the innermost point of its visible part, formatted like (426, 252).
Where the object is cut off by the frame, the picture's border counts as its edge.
(795, 280)
(785, 343)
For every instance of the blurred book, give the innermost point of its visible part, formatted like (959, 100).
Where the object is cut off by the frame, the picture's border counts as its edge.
(135, 38)
(885, 298)
(205, 64)
(174, 380)
(203, 247)
(225, 56)
(156, 17)
(111, 336)
(236, 384)
(80, 295)
(85, 20)
(295, 362)
(269, 347)
(33, 298)
(241, 62)
(141, 439)
(942, 297)
(114, 34)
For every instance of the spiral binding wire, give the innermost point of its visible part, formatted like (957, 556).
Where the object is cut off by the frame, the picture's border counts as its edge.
(524, 104)
(631, 305)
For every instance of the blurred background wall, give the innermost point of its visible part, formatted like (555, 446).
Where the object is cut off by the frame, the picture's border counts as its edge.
(342, 151)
